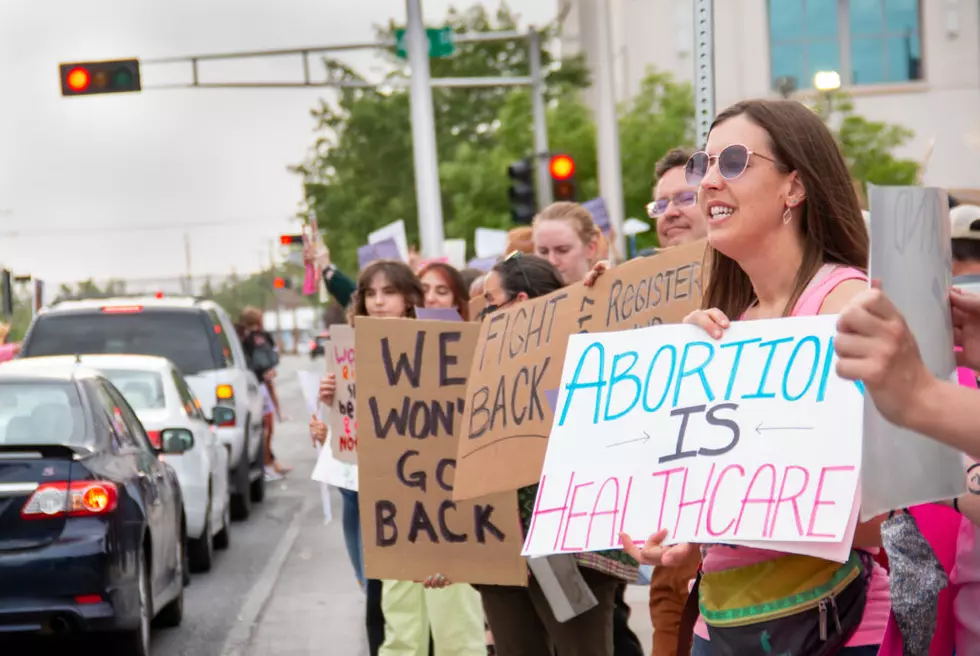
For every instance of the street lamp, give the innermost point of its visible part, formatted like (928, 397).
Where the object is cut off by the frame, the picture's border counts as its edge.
(826, 82)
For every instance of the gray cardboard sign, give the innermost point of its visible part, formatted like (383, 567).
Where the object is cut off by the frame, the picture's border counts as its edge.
(910, 255)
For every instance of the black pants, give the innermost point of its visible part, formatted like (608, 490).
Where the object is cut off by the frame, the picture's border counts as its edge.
(625, 642)
(374, 617)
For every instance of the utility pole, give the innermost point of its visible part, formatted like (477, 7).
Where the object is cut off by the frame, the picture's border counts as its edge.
(610, 164)
(704, 68)
(424, 135)
(545, 193)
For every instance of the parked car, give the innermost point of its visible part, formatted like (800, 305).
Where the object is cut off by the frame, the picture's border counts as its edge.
(165, 404)
(199, 338)
(91, 531)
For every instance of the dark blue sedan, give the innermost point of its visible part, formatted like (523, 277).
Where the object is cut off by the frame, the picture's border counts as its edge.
(91, 527)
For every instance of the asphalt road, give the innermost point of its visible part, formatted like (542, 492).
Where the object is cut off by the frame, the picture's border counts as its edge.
(214, 602)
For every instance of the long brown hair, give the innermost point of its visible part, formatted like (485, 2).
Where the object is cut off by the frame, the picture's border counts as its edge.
(831, 221)
(401, 277)
(454, 279)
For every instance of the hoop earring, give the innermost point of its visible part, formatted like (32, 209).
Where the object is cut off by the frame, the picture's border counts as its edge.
(787, 216)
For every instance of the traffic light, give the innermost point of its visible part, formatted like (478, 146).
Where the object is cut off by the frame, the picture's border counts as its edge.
(90, 78)
(562, 170)
(291, 240)
(282, 283)
(522, 205)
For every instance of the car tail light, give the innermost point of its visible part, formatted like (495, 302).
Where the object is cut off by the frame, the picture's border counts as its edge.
(75, 499)
(225, 393)
(154, 438)
(88, 599)
(122, 309)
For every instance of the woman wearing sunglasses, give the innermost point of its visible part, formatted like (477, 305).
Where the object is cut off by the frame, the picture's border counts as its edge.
(786, 238)
(521, 619)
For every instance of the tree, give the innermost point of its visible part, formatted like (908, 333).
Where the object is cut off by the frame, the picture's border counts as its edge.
(868, 146)
(359, 174)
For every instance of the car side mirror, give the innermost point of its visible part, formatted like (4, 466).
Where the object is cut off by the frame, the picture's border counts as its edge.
(175, 441)
(222, 415)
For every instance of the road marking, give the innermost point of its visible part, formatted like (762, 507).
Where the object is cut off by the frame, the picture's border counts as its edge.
(240, 636)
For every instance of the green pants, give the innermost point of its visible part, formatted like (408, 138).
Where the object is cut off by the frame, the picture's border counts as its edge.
(455, 615)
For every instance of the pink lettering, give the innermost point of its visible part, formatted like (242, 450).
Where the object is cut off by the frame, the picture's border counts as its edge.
(626, 503)
(546, 511)
(817, 502)
(699, 502)
(783, 498)
(768, 500)
(711, 504)
(614, 512)
(572, 515)
(667, 473)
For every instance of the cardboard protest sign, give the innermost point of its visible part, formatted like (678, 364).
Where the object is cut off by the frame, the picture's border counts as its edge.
(339, 354)
(521, 349)
(477, 303)
(413, 377)
(753, 437)
(911, 255)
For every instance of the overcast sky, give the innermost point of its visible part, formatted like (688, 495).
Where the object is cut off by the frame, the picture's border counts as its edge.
(86, 184)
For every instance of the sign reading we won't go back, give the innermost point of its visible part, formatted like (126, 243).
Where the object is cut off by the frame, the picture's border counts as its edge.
(751, 438)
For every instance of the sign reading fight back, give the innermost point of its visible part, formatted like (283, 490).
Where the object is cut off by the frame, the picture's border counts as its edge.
(752, 437)
(520, 351)
(414, 373)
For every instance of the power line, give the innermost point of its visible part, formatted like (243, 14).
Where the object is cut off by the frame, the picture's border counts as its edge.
(47, 232)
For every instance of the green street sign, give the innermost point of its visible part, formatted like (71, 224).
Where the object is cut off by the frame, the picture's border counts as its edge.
(440, 42)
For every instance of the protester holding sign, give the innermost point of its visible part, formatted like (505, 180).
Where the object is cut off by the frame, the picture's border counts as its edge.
(521, 618)
(566, 235)
(787, 239)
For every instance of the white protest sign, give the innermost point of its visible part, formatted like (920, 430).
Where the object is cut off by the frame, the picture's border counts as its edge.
(328, 470)
(752, 438)
(394, 230)
(911, 255)
(489, 242)
(455, 252)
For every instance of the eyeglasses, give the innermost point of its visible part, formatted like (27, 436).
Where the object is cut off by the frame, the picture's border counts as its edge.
(516, 257)
(732, 162)
(659, 207)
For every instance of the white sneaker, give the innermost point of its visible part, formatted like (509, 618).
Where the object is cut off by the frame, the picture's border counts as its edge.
(272, 475)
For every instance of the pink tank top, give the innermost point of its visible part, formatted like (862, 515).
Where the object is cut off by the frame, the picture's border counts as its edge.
(718, 558)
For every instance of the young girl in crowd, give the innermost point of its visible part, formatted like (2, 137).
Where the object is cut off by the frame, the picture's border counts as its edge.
(787, 239)
(444, 287)
(400, 613)
(521, 619)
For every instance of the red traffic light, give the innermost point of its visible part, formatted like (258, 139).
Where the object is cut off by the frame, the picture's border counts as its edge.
(561, 167)
(279, 283)
(78, 79)
(289, 240)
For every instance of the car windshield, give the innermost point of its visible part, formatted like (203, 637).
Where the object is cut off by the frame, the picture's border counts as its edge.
(143, 390)
(41, 413)
(182, 336)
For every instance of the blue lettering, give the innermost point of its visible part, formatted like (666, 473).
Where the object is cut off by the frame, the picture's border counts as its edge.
(759, 394)
(739, 347)
(615, 378)
(825, 373)
(670, 376)
(575, 384)
(699, 370)
(810, 339)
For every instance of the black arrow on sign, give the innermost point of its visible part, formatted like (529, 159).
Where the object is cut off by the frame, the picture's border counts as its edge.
(760, 428)
(644, 439)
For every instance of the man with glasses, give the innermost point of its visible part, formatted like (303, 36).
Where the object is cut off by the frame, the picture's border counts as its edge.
(679, 220)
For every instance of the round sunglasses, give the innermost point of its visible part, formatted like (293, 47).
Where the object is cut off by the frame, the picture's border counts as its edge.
(658, 208)
(732, 162)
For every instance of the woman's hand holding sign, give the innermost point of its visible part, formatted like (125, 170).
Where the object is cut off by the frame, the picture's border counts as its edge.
(712, 321)
(328, 388)
(874, 345)
(654, 553)
(965, 308)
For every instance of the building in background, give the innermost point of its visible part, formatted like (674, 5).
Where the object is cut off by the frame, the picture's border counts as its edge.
(910, 62)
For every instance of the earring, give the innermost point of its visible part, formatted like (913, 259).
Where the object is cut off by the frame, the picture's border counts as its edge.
(787, 216)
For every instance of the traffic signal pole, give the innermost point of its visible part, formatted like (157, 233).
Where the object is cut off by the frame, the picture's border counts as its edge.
(541, 154)
(607, 128)
(427, 192)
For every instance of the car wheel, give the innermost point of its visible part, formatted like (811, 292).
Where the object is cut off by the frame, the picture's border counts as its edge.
(172, 614)
(202, 549)
(136, 642)
(241, 498)
(222, 539)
